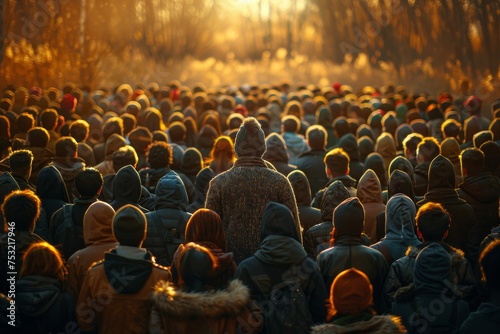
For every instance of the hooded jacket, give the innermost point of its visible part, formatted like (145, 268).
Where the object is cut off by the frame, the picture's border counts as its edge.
(127, 188)
(451, 150)
(485, 320)
(308, 215)
(277, 154)
(320, 234)
(217, 311)
(201, 188)
(432, 279)
(69, 168)
(399, 228)
(442, 190)
(349, 144)
(386, 146)
(324, 118)
(114, 142)
(311, 163)
(378, 324)
(43, 306)
(421, 178)
(99, 239)
(369, 193)
(375, 162)
(295, 145)
(41, 158)
(170, 213)
(346, 180)
(482, 192)
(280, 255)
(128, 285)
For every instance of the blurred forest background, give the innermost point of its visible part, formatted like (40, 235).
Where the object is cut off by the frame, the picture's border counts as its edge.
(427, 45)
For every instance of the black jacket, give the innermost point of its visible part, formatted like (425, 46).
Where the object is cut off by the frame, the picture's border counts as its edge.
(311, 163)
(308, 215)
(127, 188)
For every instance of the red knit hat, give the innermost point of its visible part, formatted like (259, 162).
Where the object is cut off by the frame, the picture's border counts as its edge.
(351, 293)
(473, 105)
(68, 102)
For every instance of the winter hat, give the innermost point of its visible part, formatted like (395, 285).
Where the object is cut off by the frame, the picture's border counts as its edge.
(351, 292)
(68, 102)
(278, 220)
(250, 139)
(192, 161)
(473, 105)
(113, 144)
(482, 137)
(129, 226)
(349, 217)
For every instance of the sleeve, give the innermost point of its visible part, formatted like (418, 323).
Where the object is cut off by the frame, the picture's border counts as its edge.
(213, 200)
(391, 285)
(317, 293)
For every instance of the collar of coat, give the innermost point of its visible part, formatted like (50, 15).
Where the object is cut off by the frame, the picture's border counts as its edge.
(176, 303)
(377, 324)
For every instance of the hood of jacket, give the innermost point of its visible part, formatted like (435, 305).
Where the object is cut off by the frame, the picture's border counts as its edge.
(127, 185)
(349, 144)
(369, 189)
(432, 273)
(50, 184)
(277, 219)
(375, 162)
(35, 295)
(7, 185)
(335, 194)
(171, 193)
(377, 324)
(114, 142)
(485, 187)
(295, 143)
(451, 150)
(324, 118)
(400, 182)
(386, 146)
(69, 167)
(365, 146)
(97, 223)
(400, 218)
(276, 149)
(301, 187)
(441, 173)
(192, 161)
(191, 305)
(127, 276)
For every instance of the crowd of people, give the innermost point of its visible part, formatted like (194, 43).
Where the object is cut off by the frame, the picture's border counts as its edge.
(252, 209)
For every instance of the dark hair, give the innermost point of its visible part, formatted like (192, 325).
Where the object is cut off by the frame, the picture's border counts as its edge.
(66, 147)
(205, 226)
(160, 155)
(432, 221)
(129, 122)
(451, 128)
(491, 156)
(411, 142)
(43, 259)
(124, 156)
(24, 122)
(490, 270)
(20, 161)
(195, 264)
(429, 148)
(337, 161)
(472, 159)
(49, 118)
(79, 130)
(38, 137)
(88, 182)
(290, 123)
(316, 137)
(341, 126)
(23, 208)
(177, 131)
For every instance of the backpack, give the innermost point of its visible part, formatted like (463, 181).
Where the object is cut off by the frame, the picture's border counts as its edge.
(286, 307)
(68, 234)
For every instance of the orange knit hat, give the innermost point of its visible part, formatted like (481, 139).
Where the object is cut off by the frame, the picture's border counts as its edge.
(351, 292)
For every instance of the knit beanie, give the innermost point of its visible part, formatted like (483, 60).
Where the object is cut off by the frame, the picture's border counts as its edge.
(351, 292)
(129, 226)
(250, 139)
(349, 217)
(68, 102)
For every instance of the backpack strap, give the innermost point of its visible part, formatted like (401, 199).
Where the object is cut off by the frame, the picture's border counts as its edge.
(386, 252)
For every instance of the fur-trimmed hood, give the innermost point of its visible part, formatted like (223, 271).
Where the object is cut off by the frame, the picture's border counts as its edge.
(377, 324)
(172, 302)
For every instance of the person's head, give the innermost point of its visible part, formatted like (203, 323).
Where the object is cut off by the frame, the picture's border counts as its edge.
(472, 161)
(24, 122)
(290, 123)
(250, 139)
(66, 147)
(37, 137)
(482, 137)
(491, 156)
(112, 125)
(195, 264)
(23, 208)
(43, 259)
(488, 261)
(20, 163)
(205, 226)
(129, 226)
(177, 132)
(317, 137)
(140, 138)
(124, 156)
(48, 119)
(337, 163)
(88, 182)
(349, 218)
(432, 221)
(351, 293)
(451, 128)
(160, 155)
(410, 144)
(428, 149)
(79, 130)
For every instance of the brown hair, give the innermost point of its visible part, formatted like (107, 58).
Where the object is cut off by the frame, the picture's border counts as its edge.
(222, 155)
(205, 226)
(43, 259)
